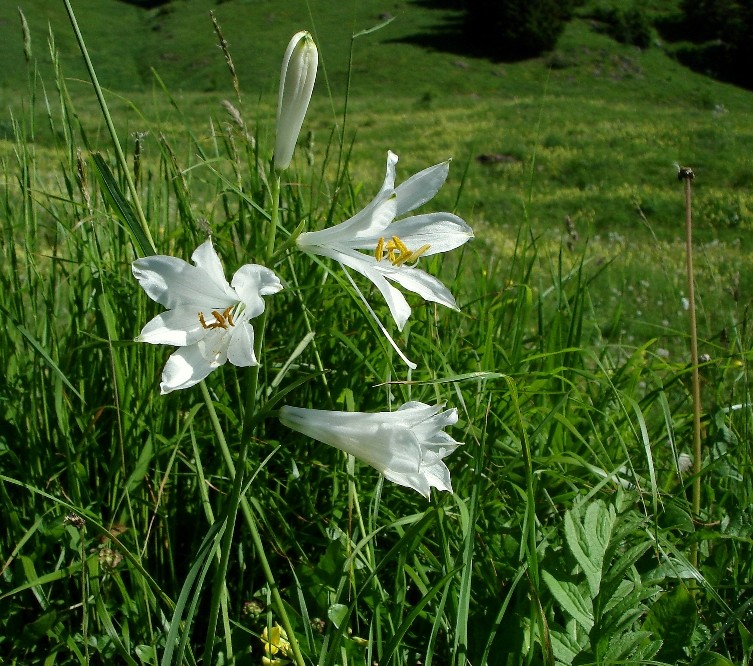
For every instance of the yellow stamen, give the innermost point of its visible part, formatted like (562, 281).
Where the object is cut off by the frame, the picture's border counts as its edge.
(397, 251)
(417, 253)
(379, 249)
(221, 319)
(400, 245)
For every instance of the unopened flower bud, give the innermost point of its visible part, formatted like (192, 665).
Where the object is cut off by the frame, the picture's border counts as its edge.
(296, 84)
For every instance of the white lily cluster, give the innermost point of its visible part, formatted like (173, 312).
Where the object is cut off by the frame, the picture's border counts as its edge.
(209, 318)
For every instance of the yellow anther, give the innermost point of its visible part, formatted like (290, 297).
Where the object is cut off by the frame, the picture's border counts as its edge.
(417, 253)
(397, 251)
(221, 319)
(400, 245)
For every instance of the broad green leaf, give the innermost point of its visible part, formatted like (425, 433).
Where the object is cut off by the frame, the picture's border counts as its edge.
(337, 613)
(588, 542)
(672, 618)
(571, 599)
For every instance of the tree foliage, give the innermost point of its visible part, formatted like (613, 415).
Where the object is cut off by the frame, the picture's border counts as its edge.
(515, 29)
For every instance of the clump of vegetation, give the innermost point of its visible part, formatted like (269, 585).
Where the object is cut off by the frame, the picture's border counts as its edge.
(627, 24)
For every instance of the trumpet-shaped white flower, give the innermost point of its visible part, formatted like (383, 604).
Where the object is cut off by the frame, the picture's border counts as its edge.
(395, 246)
(407, 446)
(206, 317)
(296, 85)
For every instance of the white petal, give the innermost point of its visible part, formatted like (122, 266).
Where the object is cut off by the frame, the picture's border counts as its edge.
(179, 327)
(213, 346)
(420, 187)
(205, 257)
(417, 482)
(419, 282)
(173, 282)
(240, 351)
(438, 476)
(415, 412)
(369, 225)
(441, 231)
(186, 367)
(251, 282)
(366, 266)
(389, 176)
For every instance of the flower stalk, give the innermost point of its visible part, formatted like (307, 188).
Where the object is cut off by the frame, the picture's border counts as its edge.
(686, 175)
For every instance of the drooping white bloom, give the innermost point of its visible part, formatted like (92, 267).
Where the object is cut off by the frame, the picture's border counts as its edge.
(206, 317)
(395, 246)
(296, 85)
(407, 446)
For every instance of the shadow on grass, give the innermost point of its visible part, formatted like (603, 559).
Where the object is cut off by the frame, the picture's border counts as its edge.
(453, 34)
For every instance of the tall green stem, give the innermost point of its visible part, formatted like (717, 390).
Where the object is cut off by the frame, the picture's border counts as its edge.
(247, 432)
(687, 176)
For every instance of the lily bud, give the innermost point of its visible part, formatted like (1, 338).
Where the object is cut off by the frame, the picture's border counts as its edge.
(296, 84)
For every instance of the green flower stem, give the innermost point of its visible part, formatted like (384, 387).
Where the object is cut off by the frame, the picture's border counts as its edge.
(247, 432)
(219, 589)
(110, 126)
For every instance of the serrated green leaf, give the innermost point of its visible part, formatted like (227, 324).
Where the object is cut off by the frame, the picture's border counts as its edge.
(588, 542)
(564, 647)
(571, 599)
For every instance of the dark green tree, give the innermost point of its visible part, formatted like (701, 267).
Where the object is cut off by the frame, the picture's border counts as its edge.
(515, 29)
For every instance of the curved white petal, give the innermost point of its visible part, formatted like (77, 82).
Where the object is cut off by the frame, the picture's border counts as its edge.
(251, 282)
(179, 327)
(442, 232)
(419, 282)
(205, 257)
(365, 265)
(421, 187)
(240, 351)
(185, 367)
(438, 476)
(173, 282)
(369, 223)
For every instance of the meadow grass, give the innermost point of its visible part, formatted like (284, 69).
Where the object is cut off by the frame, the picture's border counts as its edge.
(567, 538)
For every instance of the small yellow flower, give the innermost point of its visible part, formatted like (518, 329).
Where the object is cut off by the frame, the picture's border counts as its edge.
(276, 646)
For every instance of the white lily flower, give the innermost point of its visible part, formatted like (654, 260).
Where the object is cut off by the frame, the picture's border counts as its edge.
(296, 85)
(206, 317)
(395, 246)
(407, 446)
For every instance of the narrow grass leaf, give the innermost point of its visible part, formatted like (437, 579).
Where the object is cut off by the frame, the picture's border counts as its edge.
(121, 206)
